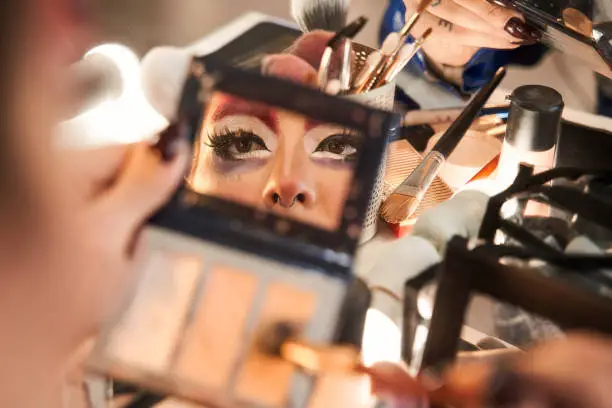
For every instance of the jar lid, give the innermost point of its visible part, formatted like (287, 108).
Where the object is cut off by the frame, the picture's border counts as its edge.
(534, 119)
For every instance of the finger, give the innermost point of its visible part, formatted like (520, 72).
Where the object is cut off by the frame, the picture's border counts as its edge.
(567, 372)
(145, 183)
(451, 34)
(502, 19)
(91, 171)
(451, 11)
(454, 45)
(310, 46)
(289, 67)
(392, 380)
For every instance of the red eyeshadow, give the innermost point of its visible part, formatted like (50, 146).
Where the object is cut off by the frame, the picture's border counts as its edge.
(226, 105)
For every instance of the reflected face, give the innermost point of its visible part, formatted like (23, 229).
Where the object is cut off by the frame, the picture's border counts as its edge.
(276, 160)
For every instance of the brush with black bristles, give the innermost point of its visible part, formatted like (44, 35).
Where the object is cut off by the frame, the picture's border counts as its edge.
(329, 15)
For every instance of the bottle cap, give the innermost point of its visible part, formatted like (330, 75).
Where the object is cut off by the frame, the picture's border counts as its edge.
(534, 120)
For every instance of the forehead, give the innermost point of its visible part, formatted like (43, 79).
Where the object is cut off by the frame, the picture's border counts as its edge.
(223, 105)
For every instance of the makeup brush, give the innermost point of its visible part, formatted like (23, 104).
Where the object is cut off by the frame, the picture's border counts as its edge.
(350, 32)
(414, 18)
(345, 70)
(405, 200)
(334, 87)
(329, 15)
(386, 50)
(435, 116)
(403, 57)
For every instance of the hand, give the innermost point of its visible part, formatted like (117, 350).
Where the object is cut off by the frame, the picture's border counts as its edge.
(79, 268)
(462, 27)
(573, 372)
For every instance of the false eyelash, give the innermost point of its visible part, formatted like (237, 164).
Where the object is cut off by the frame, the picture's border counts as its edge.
(225, 137)
(347, 137)
(222, 140)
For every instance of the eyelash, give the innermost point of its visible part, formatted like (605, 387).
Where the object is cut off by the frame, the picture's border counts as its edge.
(222, 142)
(345, 138)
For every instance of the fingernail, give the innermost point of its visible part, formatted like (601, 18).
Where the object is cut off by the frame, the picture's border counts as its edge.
(501, 3)
(518, 29)
(265, 64)
(506, 387)
(523, 42)
(169, 141)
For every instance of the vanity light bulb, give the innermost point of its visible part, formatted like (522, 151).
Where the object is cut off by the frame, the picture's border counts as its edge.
(129, 118)
(381, 339)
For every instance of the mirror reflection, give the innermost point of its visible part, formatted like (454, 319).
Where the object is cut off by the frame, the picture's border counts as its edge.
(272, 159)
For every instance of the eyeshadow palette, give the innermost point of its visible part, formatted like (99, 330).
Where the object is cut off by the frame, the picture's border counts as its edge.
(261, 235)
(191, 329)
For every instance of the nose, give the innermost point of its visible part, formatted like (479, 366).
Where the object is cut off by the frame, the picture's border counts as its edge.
(289, 194)
(289, 186)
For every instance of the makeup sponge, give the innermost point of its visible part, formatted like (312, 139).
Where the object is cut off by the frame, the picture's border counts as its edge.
(461, 215)
(163, 72)
(399, 261)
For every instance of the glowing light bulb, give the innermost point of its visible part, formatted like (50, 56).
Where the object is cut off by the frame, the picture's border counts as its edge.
(127, 119)
(381, 339)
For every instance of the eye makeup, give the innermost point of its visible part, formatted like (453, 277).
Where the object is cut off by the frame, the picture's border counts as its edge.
(332, 145)
(238, 145)
(236, 107)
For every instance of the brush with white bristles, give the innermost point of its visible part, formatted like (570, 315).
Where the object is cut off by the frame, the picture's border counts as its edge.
(329, 15)
(386, 53)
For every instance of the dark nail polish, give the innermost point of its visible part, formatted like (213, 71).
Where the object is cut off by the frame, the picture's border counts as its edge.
(168, 142)
(506, 387)
(518, 29)
(524, 42)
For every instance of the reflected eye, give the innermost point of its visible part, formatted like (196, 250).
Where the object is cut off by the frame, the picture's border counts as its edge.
(344, 147)
(238, 145)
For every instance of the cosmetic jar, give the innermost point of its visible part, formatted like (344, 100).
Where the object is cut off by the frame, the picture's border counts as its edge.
(382, 98)
(476, 149)
(534, 125)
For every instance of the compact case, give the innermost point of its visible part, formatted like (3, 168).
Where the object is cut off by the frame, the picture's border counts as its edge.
(215, 275)
(594, 49)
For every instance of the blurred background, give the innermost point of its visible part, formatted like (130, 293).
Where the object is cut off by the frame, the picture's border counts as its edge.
(143, 24)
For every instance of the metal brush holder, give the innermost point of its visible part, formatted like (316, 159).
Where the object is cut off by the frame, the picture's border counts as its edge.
(383, 98)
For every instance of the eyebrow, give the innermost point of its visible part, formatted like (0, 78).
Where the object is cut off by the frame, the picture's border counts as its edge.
(230, 105)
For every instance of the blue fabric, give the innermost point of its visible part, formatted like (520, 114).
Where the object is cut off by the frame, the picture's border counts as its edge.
(604, 104)
(483, 65)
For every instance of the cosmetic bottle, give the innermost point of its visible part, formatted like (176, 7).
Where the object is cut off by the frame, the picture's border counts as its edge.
(534, 125)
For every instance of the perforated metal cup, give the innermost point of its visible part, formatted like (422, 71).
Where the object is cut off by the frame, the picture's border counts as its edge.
(380, 98)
